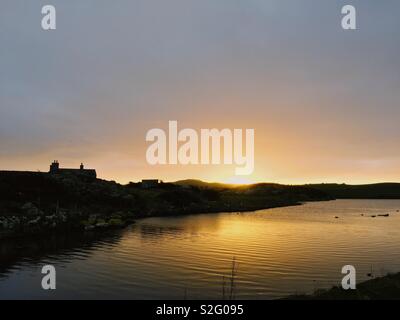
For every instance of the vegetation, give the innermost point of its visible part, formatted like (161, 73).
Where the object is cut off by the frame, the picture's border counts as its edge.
(334, 190)
(383, 288)
(229, 292)
(366, 191)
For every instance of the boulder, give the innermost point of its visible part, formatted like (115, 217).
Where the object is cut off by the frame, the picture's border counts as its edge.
(30, 209)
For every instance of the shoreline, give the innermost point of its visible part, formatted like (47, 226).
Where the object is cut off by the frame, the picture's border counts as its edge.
(380, 288)
(105, 228)
(34, 203)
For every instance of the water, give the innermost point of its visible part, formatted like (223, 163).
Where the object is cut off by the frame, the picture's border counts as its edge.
(278, 252)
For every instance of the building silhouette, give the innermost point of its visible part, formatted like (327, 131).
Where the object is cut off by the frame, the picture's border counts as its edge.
(55, 169)
(150, 183)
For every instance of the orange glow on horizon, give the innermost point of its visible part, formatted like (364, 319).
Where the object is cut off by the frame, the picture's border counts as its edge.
(238, 180)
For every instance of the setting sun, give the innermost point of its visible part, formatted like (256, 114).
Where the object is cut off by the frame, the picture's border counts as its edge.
(238, 180)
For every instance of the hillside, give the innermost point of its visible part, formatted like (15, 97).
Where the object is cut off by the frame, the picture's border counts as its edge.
(334, 190)
(32, 202)
(367, 191)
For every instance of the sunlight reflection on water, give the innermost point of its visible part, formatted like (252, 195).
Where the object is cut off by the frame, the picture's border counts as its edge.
(279, 252)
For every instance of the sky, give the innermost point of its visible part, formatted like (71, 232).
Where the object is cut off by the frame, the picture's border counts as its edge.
(323, 101)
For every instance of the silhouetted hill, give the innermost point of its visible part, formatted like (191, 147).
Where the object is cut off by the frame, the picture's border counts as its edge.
(366, 191)
(202, 184)
(337, 191)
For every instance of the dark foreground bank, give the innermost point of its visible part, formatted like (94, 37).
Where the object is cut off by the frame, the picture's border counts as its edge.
(382, 288)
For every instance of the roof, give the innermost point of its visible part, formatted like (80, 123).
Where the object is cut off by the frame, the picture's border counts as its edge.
(89, 172)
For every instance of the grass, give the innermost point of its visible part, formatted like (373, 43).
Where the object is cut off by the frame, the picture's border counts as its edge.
(229, 292)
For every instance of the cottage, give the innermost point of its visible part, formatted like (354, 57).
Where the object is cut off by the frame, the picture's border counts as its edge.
(55, 169)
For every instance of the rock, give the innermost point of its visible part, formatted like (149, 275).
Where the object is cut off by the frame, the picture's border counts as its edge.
(30, 209)
(101, 224)
(61, 215)
(117, 215)
(383, 215)
(11, 223)
(115, 222)
(34, 222)
(92, 219)
(49, 218)
(84, 223)
(89, 227)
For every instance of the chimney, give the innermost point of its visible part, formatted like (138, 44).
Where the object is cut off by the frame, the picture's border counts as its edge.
(54, 166)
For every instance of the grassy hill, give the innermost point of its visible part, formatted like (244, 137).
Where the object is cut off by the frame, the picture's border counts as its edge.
(366, 191)
(335, 190)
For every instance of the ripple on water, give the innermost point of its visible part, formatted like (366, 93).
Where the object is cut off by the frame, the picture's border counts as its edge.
(277, 252)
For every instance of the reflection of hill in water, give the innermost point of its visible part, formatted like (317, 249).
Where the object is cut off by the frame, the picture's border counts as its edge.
(151, 231)
(15, 252)
(153, 228)
(22, 251)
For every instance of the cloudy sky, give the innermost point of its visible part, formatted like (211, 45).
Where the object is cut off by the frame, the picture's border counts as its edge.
(324, 102)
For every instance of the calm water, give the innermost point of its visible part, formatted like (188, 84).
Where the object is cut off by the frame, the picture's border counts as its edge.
(279, 252)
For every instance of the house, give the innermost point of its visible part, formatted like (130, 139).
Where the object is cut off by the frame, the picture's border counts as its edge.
(150, 183)
(55, 169)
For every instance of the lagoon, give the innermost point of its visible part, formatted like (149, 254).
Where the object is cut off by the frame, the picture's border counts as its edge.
(278, 252)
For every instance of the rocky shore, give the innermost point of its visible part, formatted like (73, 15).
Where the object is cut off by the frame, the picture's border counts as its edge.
(39, 222)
